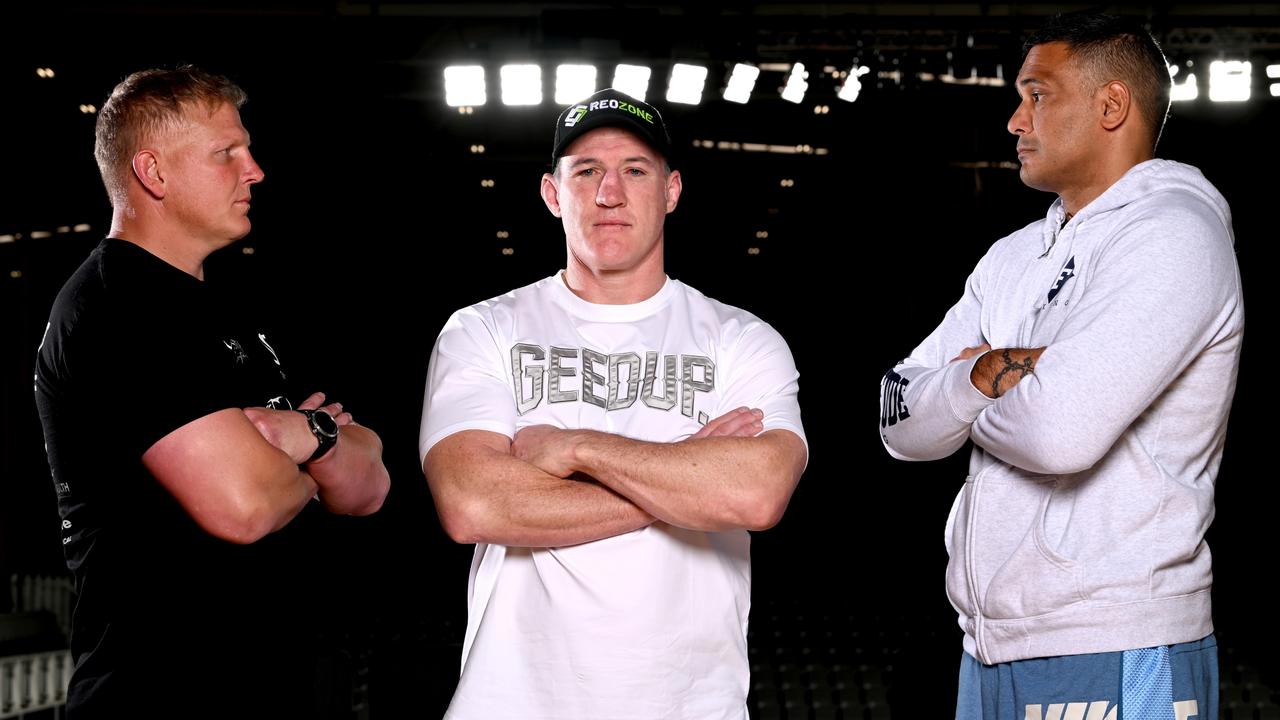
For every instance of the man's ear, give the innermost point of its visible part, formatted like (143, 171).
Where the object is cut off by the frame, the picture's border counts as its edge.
(551, 193)
(146, 167)
(674, 186)
(1117, 104)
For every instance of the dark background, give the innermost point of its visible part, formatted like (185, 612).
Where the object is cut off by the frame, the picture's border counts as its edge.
(372, 226)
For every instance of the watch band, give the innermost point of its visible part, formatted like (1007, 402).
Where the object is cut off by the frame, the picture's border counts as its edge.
(325, 428)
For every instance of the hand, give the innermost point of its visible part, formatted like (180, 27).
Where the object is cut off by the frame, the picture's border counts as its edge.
(739, 422)
(971, 352)
(546, 447)
(286, 430)
(315, 402)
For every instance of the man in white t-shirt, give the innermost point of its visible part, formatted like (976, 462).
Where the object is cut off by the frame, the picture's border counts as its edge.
(606, 437)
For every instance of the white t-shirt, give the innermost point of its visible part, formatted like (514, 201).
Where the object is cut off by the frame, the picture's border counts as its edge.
(648, 624)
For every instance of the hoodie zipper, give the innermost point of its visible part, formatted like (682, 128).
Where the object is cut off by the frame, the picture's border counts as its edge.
(970, 572)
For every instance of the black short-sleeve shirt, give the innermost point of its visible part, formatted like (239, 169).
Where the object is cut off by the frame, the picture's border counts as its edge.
(169, 620)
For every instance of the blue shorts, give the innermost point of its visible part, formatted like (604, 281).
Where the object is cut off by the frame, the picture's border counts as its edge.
(1170, 682)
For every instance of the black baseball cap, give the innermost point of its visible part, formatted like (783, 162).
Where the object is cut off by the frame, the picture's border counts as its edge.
(607, 108)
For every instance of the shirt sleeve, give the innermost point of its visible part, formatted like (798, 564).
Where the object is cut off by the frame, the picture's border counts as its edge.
(104, 364)
(467, 383)
(761, 373)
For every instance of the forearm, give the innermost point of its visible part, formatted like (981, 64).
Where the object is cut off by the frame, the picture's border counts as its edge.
(291, 489)
(233, 483)
(709, 484)
(483, 494)
(1065, 416)
(351, 477)
(998, 371)
(268, 499)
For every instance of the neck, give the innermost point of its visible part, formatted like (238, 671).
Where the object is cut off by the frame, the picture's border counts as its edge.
(606, 287)
(1091, 184)
(171, 246)
(625, 286)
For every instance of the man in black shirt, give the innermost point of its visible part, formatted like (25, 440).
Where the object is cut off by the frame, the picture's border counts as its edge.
(186, 471)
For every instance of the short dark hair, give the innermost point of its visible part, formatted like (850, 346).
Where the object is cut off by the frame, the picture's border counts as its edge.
(1113, 48)
(148, 102)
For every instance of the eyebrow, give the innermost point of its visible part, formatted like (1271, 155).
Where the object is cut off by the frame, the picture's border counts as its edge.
(1030, 81)
(591, 160)
(224, 142)
(232, 139)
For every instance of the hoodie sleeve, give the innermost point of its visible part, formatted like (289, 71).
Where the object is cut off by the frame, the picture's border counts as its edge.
(927, 402)
(1162, 291)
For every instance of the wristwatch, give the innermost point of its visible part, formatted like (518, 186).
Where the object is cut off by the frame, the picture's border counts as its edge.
(324, 427)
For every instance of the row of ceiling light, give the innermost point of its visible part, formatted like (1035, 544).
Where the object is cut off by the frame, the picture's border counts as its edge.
(521, 84)
(465, 85)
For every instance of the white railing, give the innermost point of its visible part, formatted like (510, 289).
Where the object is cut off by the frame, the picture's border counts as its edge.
(33, 682)
(35, 593)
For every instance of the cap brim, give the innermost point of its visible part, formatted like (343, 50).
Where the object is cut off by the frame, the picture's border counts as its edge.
(599, 120)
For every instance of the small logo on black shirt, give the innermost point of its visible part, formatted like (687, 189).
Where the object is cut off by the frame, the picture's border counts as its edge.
(237, 350)
(262, 338)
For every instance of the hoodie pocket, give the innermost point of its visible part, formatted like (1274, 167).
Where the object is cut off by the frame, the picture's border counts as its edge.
(1033, 579)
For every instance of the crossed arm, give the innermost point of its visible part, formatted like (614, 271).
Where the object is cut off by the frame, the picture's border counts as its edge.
(242, 474)
(1149, 313)
(998, 370)
(551, 487)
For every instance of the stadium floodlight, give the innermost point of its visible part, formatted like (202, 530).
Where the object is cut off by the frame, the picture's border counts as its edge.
(741, 82)
(686, 84)
(632, 80)
(464, 85)
(521, 84)
(852, 85)
(1186, 90)
(796, 85)
(574, 82)
(1229, 80)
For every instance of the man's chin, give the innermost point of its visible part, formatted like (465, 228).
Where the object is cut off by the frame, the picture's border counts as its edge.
(237, 235)
(1032, 180)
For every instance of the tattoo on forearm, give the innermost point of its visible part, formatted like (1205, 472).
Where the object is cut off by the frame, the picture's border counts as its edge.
(1024, 368)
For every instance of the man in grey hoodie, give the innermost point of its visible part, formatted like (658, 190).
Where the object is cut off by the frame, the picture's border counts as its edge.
(1092, 361)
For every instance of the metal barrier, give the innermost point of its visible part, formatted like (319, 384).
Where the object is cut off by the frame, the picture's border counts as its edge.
(33, 682)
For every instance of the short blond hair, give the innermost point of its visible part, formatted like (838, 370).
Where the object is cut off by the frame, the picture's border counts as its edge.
(148, 103)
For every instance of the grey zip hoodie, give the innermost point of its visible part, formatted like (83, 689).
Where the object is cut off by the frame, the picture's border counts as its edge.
(1081, 526)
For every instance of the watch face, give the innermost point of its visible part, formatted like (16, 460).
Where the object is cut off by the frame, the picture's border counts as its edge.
(325, 422)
